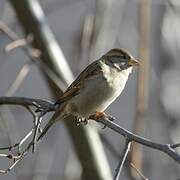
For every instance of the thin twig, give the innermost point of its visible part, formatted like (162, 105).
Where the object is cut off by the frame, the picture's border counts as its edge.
(6, 30)
(33, 54)
(138, 171)
(21, 156)
(15, 44)
(166, 148)
(3, 155)
(19, 78)
(122, 159)
(175, 145)
(41, 107)
(36, 130)
(23, 140)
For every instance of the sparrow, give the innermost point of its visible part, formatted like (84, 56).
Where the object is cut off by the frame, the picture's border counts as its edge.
(97, 86)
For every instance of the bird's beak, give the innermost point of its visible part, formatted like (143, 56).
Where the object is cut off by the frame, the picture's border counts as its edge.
(133, 62)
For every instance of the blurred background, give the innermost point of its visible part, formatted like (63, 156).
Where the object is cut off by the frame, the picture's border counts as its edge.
(70, 34)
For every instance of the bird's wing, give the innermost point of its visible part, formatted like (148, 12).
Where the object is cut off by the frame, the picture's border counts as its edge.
(74, 89)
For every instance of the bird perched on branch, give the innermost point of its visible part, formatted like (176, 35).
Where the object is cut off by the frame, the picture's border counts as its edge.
(97, 86)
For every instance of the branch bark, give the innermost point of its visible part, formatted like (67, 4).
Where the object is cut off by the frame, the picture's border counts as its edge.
(122, 159)
(44, 106)
(166, 148)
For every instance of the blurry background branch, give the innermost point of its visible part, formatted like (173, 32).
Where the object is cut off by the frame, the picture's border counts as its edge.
(33, 54)
(34, 58)
(143, 83)
(86, 141)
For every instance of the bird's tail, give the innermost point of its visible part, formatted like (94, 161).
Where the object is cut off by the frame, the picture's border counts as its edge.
(59, 114)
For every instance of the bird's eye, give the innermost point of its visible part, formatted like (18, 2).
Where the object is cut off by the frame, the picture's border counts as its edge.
(124, 56)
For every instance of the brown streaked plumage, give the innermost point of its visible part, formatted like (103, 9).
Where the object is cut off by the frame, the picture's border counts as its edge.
(97, 86)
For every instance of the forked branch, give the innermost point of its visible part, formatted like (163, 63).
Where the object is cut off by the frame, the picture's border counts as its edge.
(38, 108)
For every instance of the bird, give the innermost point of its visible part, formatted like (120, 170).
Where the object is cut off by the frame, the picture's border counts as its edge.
(96, 87)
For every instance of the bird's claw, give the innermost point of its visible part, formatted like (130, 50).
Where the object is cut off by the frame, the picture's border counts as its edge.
(82, 121)
(110, 118)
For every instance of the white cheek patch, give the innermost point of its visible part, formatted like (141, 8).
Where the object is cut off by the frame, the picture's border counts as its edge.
(117, 66)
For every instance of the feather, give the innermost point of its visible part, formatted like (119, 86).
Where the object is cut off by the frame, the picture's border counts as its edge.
(74, 89)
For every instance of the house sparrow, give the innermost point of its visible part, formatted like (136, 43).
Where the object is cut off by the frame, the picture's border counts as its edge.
(95, 88)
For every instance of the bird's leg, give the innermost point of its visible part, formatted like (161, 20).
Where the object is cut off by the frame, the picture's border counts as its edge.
(96, 116)
(101, 115)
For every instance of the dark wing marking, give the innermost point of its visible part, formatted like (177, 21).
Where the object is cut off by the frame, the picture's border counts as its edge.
(74, 89)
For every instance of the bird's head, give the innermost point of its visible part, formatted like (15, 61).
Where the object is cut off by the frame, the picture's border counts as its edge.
(120, 59)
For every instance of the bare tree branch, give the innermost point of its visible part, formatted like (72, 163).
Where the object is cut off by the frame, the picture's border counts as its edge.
(108, 144)
(166, 148)
(43, 106)
(122, 159)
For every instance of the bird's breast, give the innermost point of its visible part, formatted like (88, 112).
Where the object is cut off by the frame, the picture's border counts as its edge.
(99, 92)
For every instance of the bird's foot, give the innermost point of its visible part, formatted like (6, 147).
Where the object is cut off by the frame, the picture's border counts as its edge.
(111, 118)
(82, 120)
